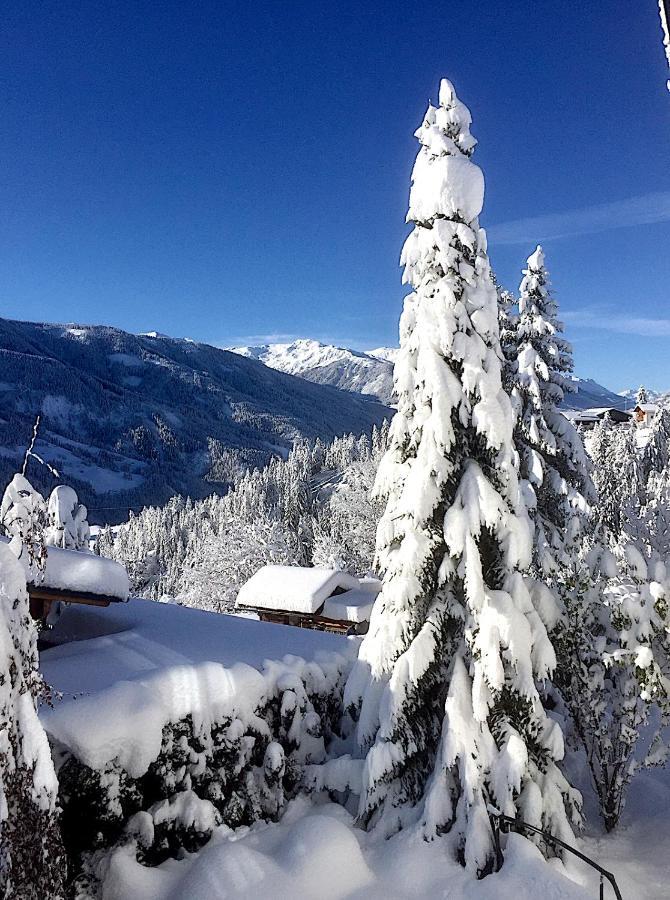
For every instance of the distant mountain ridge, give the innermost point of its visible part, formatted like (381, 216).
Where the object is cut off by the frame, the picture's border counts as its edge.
(371, 371)
(131, 420)
(660, 397)
(361, 372)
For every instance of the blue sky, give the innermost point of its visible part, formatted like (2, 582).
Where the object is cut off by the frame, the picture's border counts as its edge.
(230, 174)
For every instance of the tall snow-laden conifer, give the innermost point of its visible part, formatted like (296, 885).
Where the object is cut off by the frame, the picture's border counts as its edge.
(32, 862)
(553, 463)
(444, 691)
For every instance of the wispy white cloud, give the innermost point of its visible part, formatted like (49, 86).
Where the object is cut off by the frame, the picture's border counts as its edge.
(645, 210)
(604, 320)
(255, 340)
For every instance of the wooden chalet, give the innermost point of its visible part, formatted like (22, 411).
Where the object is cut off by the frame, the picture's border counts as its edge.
(318, 598)
(645, 413)
(587, 418)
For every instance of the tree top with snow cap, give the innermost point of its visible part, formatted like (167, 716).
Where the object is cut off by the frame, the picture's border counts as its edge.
(535, 260)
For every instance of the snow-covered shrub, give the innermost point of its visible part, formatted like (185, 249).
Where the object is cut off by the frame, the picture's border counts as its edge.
(67, 520)
(22, 513)
(444, 696)
(229, 750)
(612, 648)
(32, 862)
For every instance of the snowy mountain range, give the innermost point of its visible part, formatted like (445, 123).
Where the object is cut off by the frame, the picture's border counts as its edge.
(371, 371)
(630, 396)
(131, 420)
(363, 372)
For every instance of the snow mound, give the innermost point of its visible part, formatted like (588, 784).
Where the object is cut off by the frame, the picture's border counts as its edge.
(315, 851)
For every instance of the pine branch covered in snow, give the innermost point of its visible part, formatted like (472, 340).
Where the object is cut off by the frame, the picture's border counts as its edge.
(448, 716)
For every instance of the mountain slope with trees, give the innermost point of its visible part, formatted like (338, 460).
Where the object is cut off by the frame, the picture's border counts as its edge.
(130, 420)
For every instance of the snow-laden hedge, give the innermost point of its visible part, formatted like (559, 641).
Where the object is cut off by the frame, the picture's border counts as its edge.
(163, 760)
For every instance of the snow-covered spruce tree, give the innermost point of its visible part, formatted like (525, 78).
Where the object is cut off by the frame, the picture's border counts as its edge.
(641, 396)
(444, 693)
(553, 463)
(32, 862)
(655, 457)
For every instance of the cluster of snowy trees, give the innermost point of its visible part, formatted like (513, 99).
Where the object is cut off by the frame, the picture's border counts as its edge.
(312, 508)
(514, 612)
(632, 475)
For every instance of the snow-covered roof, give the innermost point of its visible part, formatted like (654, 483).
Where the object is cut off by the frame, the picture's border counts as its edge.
(351, 606)
(81, 572)
(293, 588)
(647, 407)
(594, 413)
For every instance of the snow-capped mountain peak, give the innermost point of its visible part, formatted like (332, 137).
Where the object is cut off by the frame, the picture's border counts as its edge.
(349, 370)
(388, 353)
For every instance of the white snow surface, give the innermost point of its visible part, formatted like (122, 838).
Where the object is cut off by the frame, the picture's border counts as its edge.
(390, 354)
(293, 588)
(316, 852)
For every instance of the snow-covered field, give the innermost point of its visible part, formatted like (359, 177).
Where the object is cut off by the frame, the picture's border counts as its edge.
(108, 662)
(98, 647)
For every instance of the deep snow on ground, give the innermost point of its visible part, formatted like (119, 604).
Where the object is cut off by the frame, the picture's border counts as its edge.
(109, 656)
(316, 852)
(100, 646)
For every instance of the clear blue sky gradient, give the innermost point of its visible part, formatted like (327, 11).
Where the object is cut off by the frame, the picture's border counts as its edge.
(228, 171)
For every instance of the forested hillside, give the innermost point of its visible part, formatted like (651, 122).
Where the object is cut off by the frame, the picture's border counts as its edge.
(130, 420)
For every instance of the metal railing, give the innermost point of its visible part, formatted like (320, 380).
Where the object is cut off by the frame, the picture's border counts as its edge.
(506, 823)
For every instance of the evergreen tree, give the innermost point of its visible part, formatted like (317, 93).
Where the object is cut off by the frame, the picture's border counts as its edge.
(553, 464)
(656, 453)
(612, 647)
(449, 718)
(641, 396)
